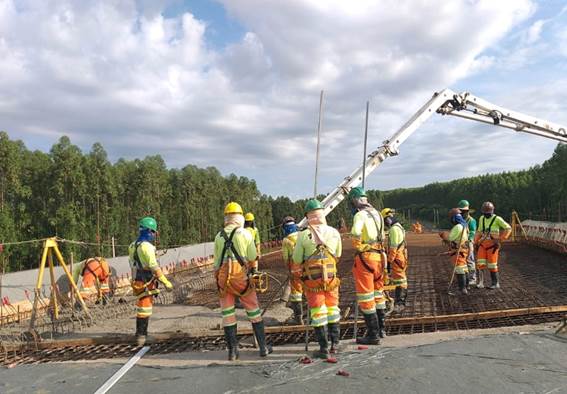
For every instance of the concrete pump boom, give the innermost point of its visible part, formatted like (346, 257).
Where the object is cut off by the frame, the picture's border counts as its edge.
(447, 102)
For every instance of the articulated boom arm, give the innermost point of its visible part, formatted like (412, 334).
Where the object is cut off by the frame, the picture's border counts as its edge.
(446, 102)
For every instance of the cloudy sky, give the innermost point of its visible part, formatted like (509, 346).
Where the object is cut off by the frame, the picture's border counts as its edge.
(235, 83)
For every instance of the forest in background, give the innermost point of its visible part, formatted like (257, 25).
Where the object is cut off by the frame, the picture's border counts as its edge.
(84, 197)
(538, 193)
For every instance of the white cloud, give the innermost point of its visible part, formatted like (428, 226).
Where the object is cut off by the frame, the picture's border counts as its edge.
(123, 74)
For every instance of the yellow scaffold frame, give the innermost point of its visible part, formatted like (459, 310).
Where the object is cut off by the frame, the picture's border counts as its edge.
(517, 224)
(50, 247)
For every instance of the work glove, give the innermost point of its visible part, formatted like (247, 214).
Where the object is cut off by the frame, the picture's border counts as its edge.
(166, 283)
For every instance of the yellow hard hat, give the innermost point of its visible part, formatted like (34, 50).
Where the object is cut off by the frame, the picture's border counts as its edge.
(233, 207)
(387, 212)
(249, 217)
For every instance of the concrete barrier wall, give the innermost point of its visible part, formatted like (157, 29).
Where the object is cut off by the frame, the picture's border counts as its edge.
(16, 284)
(549, 231)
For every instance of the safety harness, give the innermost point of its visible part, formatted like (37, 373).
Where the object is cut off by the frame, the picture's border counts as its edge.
(321, 266)
(98, 280)
(143, 275)
(461, 247)
(88, 268)
(229, 245)
(377, 247)
(399, 246)
(487, 232)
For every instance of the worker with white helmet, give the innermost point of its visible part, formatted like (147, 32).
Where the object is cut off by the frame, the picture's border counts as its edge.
(492, 229)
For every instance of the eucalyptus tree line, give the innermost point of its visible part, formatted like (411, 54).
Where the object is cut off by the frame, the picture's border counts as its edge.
(83, 196)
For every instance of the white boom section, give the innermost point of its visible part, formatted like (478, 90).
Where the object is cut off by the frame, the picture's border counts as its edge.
(447, 102)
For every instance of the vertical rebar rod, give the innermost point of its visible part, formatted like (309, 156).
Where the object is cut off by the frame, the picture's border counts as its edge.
(319, 126)
(365, 142)
(72, 262)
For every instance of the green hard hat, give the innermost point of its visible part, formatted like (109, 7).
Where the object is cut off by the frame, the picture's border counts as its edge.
(356, 192)
(149, 223)
(463, 204)
(312, 205)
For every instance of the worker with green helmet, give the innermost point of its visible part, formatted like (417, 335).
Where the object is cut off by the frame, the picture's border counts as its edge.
(463, 205)
(146, 273)
(315, 257)
(369, 265)
(235, 261)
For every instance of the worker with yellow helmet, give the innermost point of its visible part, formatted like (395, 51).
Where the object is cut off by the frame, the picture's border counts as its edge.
(234, 260)
(397, 255)
(250, 225)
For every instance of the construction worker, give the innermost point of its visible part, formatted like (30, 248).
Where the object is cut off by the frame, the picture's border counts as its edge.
(397, 255)
(95, 284)
(295, 287)
(235, 262)
(250, 225)
(458, 244)
(146, 274)
(369, 265)
(471, 222)
(315, 258)
(491, 230)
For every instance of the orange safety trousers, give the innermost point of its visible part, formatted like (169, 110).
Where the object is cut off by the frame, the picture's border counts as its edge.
(232, 282)
(459, 261)
(398, 267)
(323, 304)
(296, 294)
(368, 272)
(487, 256)
(145, 302)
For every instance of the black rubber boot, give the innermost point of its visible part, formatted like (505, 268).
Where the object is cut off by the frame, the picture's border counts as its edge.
(495, 280)
(381, 313)
(462, 281)
(231, 342)
(404, 296)
(260, 335)
(321, 335)
(334, 337)
(398, 296)
(297, 313)
(371, 337)
(141, 330)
